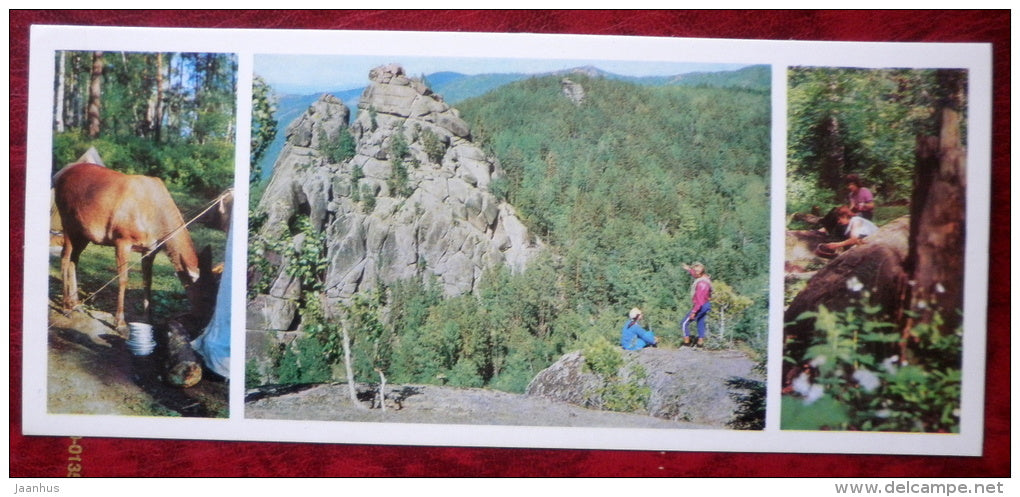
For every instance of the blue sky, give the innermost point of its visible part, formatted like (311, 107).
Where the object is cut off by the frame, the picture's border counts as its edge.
(306, 74)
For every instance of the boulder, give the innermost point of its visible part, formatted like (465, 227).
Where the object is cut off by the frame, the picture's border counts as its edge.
(567, 381)
(872, 273)
(269, 313)
(693, 385)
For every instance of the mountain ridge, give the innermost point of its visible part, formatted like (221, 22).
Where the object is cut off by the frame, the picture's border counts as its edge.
(456, 87)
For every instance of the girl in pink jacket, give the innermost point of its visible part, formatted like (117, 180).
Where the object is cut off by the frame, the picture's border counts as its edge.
(701, 291)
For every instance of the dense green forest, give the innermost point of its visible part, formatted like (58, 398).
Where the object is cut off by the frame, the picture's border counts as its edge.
(623, 189)
(634, 182)
(169, 115)
(865, 122)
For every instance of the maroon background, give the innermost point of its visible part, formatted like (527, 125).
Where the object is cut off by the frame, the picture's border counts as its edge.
(47, 456)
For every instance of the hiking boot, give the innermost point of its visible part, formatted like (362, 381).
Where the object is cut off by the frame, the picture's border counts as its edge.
(701, 342)
(687, 340)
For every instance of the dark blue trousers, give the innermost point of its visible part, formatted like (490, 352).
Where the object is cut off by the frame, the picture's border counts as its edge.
(700, 318)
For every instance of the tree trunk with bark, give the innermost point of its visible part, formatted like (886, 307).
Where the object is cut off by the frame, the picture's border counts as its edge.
(937, 236)
(158, 112)
(833, 153)
(352, 387)
(95, 94)
(58, 113)
(183, 366)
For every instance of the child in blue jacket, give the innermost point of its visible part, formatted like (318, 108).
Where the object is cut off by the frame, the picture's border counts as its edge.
(633, 336)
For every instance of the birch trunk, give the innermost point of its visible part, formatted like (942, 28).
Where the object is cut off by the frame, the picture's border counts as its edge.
(58, 113)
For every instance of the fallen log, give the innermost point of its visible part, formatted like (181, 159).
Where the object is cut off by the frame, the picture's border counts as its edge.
(183, 366)
(182, 363)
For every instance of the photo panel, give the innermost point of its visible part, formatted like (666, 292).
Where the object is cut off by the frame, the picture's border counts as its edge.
(481, 228)
(143, 153)
(874, 324)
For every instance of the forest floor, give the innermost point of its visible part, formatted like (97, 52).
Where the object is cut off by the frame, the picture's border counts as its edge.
(91, 371)
(89, 368)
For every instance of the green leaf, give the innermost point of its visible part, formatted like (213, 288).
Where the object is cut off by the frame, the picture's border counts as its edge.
(824, 413)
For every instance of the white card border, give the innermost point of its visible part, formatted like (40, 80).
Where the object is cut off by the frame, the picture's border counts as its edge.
(976, 58)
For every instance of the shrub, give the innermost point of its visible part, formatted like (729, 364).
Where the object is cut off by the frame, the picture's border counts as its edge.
(500, 188)
(368, 196)
(465, 374)
(618, 393)
(205, 169)
(861, 384)
(433, 146)
(399, 149)
(252, 378)
(627, 396)
(339, 147)
(304, 362)
(602, 358)
(308, 260)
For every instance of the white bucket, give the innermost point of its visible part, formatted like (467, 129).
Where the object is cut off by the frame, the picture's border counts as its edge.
(140, 340)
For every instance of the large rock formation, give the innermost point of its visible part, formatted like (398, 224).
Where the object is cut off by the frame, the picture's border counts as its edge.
(412, 202)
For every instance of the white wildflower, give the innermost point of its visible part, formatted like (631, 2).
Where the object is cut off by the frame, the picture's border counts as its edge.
(802, 384)
(818, 361)
(922, 305)
(814, 394)
(890, 364)
(939, 288)
(854, 285)
(883, 413)
(866, 379)
(810, 391)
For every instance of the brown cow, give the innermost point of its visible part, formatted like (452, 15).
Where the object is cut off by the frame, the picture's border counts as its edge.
(128, 212)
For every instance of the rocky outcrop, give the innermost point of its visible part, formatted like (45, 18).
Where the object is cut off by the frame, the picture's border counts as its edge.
(710, 387)
(573, 91)
(412, 200)
(567, 380)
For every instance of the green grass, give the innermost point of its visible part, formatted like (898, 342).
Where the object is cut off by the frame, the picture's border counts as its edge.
(886, 213)
(97, 273)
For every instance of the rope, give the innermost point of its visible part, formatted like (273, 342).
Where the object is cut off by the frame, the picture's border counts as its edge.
(159, 243)
(173, 233)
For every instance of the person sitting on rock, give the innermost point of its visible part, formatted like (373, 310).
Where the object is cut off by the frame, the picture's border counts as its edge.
(855, 229)
(633, 336)
(860, 200)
